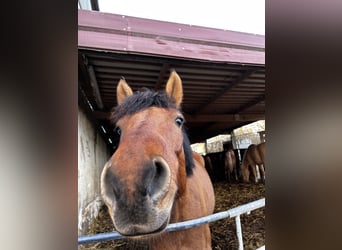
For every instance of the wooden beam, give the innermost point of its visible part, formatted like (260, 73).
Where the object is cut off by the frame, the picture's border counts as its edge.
(201, 118)
(83, 75)
(161, 77)
(89, 81)
(250, 104)
(223, 118)
(100, 115)
(223, 91)
(95, 86)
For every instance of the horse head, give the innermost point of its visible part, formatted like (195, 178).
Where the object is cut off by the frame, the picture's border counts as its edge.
(149, 169)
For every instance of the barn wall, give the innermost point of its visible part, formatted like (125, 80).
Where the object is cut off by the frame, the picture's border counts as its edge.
(92, 155)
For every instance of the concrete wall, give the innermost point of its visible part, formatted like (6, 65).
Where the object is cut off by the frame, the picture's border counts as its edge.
(92, 155)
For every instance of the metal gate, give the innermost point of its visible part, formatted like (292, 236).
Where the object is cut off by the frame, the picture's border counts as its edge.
(231, 213)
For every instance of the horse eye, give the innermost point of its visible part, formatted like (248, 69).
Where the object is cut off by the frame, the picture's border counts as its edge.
(118, 130)
(179, 121)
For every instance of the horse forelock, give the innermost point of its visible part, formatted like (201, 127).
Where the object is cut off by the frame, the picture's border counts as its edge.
(146, 98)
(140, 100)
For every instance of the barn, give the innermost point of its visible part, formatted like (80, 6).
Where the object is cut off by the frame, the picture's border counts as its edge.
(223, 74)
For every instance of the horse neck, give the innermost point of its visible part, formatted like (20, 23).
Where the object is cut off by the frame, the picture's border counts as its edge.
(197, 200)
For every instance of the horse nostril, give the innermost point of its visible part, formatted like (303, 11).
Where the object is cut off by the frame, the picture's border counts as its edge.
(109, 185)
(161, 178)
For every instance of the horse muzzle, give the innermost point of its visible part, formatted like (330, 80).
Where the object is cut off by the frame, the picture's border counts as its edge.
(139, 205)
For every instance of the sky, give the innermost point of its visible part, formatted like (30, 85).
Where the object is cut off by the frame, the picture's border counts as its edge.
(240, 15)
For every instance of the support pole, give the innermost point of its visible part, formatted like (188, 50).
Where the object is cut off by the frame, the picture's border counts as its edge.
(239, 231)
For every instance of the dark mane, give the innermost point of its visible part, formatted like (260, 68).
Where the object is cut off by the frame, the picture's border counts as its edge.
(146, 98)
(189, 160)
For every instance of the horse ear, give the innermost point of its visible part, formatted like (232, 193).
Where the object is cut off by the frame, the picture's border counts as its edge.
(174, 88)
(123, 91)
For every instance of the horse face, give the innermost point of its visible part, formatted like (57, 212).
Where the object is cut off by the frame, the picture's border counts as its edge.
(140, 181)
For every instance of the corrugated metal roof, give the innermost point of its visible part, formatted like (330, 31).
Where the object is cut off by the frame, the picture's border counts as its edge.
(223, 89)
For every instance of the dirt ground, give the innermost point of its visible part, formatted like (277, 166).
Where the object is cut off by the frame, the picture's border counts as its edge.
(223, 232)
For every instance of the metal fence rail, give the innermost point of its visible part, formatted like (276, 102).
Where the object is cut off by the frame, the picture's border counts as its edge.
(231, 213)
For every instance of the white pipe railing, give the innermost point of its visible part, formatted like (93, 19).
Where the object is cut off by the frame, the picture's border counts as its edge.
(231, 213)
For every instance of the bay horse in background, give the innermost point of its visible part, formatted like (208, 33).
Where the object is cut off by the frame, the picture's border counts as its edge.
(230, 165)
(209, 167)
(154, 178)
(254, 159)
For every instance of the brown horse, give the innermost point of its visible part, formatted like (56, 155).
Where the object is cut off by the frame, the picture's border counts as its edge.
(209, 167)
(154, 178)
(254, 157)
(230, 165)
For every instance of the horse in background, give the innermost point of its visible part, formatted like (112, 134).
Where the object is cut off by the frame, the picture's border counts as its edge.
(230, 169)
(209, 167)
(254, 160)
(154, 178)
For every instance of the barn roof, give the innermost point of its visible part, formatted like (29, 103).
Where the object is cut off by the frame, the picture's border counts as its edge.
(223, 72)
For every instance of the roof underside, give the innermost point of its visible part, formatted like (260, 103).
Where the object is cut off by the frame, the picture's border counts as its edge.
(223, 72)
